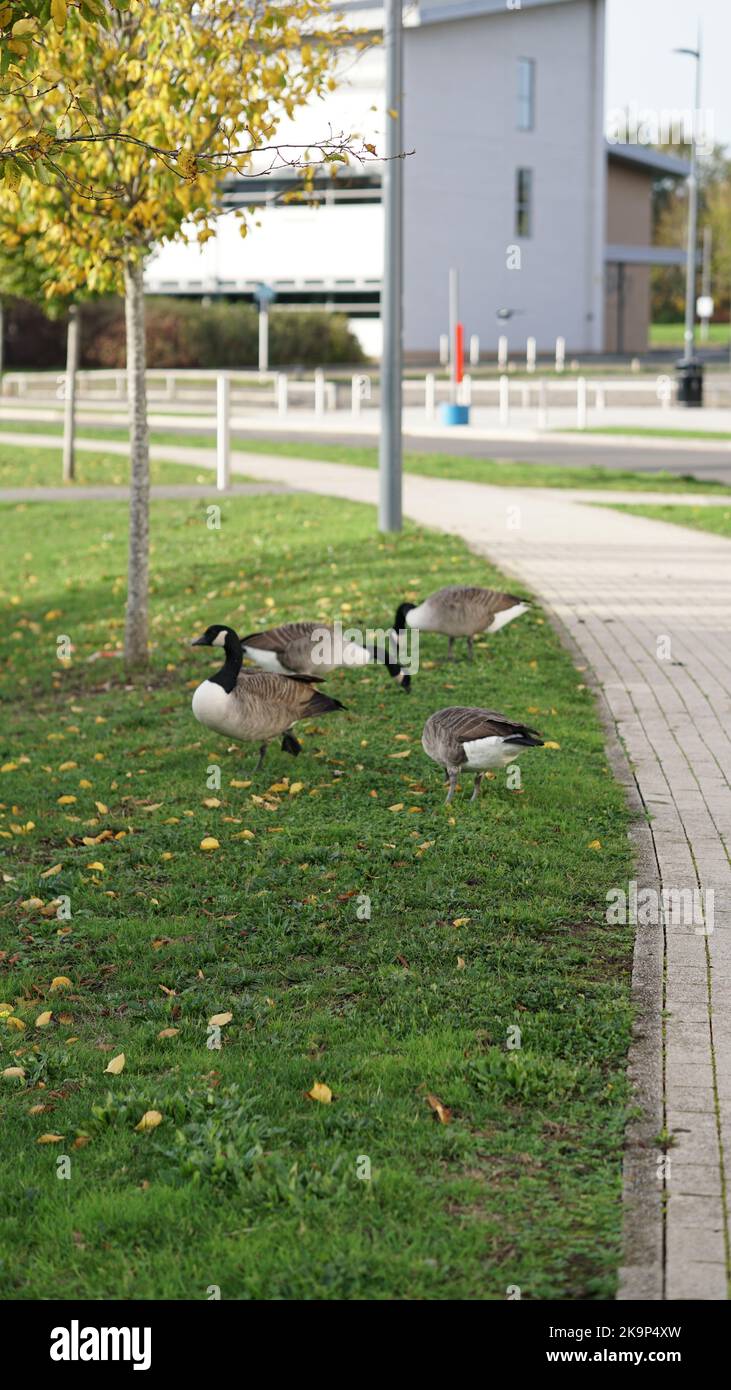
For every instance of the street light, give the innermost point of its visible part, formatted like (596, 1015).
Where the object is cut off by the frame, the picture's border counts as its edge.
(389, 461)
(691, 371)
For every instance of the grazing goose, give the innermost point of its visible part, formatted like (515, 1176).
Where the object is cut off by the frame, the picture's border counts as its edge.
(254, 706)
(312, 649)
(458, 611)
(478, 739)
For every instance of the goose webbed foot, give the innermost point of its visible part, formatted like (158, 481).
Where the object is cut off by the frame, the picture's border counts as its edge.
(478, 784)
(291, 745)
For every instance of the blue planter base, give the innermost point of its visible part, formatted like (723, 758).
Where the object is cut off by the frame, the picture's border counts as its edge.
(454, 414)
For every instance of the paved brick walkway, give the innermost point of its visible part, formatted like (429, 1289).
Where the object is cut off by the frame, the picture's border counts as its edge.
(649, 607)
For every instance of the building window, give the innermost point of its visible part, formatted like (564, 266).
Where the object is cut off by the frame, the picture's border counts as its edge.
(526, 93)
(524, 202)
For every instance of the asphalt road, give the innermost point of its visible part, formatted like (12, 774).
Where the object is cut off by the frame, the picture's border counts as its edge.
(587, 452)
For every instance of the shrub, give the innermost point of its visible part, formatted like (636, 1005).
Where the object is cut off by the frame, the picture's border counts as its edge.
(183, 333)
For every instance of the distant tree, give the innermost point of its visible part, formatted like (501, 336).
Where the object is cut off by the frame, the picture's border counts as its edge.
(208, 80)
(670, 229)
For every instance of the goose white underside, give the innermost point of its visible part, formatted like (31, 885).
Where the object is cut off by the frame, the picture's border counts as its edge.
(485, 753)
(268, 661)
(507, 615)
(351, 654)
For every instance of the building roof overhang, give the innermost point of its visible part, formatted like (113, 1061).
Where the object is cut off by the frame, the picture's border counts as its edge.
(645, 157)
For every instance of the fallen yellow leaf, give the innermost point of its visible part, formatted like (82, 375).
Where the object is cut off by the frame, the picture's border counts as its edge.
(212, 801)
(116, 1065)
(97, 867)
(443, 1114)
(101, 808)
(219, 1020)
(595, 844)
(150, 1120)
(551, 744)
(168, 1033)
(66, 800)
(49, 1139)
(60, 982)
(14, 1073)
(321, 1092)
(461, 921)
(49, 873)
(44, 1019)
(209, 843)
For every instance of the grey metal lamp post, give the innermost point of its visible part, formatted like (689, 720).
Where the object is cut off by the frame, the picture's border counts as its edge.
(690, 370)
(389, 460)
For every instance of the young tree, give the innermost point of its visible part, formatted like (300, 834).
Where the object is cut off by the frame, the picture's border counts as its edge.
(203, 78)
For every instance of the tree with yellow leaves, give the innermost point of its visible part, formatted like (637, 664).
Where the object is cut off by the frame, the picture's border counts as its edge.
(195, 87)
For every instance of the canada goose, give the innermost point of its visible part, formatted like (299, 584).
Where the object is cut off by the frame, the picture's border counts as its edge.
(458, 611)
(254, 706)
(313, 649)
(476, 739)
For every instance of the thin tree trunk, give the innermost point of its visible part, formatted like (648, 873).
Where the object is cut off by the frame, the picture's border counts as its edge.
(69, 395)
(135, 636)
(2, 343)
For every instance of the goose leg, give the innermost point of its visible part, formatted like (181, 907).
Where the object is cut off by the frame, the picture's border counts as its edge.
(478, 783)
(452, 776)
(450, 649)
(262, 755)
(290, 744)
(470, 653)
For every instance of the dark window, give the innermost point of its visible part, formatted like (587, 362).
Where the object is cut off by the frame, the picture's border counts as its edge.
(524, 202)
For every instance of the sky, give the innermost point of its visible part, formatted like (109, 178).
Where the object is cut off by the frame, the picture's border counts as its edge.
(642, 69)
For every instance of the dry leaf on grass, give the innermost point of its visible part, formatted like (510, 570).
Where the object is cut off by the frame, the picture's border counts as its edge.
(116, 1065)
(320, 1092)
(150, 1120)
(219, 1020)
(440, 1110)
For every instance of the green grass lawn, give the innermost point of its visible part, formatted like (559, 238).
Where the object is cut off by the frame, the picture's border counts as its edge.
(642, 433)
(714, 519)
(483, 917)
(42, 468)
(500, 472)
(671, 334)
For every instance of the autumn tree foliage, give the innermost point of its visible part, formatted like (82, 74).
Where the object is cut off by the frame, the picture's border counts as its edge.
(152, 107)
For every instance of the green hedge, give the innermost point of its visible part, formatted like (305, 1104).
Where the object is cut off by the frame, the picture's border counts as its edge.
(183, 333)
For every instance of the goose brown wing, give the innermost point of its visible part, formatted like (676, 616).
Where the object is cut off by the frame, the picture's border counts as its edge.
(293, 697)
(277, 639)
(465, 724)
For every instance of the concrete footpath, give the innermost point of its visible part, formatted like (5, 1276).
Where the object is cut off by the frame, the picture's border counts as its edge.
(648, 607)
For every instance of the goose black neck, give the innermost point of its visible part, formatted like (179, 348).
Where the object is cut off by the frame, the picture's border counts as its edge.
(229, 672)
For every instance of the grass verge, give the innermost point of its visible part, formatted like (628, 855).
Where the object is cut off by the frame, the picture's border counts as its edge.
(483, 918)
(498, 472)
(27, 467)
(714, 519)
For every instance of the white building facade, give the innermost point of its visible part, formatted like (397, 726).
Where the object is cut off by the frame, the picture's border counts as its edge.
(507, 183)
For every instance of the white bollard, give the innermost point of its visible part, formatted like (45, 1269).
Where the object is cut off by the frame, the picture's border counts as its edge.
(542, 404)
(502, 353)
(319, 391)
(430, 395)
(530, 355)
(282, 393)
(170, 387)
(581, 402)
(223, 431)
(504, 400)
(355, 397)
(600, 398)
(560, 354)
(121, 385)
(474, 351)
(466, 391)
(525, 397)
(444, 349)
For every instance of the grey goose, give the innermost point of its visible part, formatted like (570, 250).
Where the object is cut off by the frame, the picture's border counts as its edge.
(460, 611)
(312, 649)
(462, 739)
(254, 706)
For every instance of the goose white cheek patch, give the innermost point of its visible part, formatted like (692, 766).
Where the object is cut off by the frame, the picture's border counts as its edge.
(220, 640)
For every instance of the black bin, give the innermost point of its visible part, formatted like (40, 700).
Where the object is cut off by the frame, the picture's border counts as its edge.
(690, 383)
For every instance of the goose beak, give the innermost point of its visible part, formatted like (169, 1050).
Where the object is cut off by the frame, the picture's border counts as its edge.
(199, 642)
